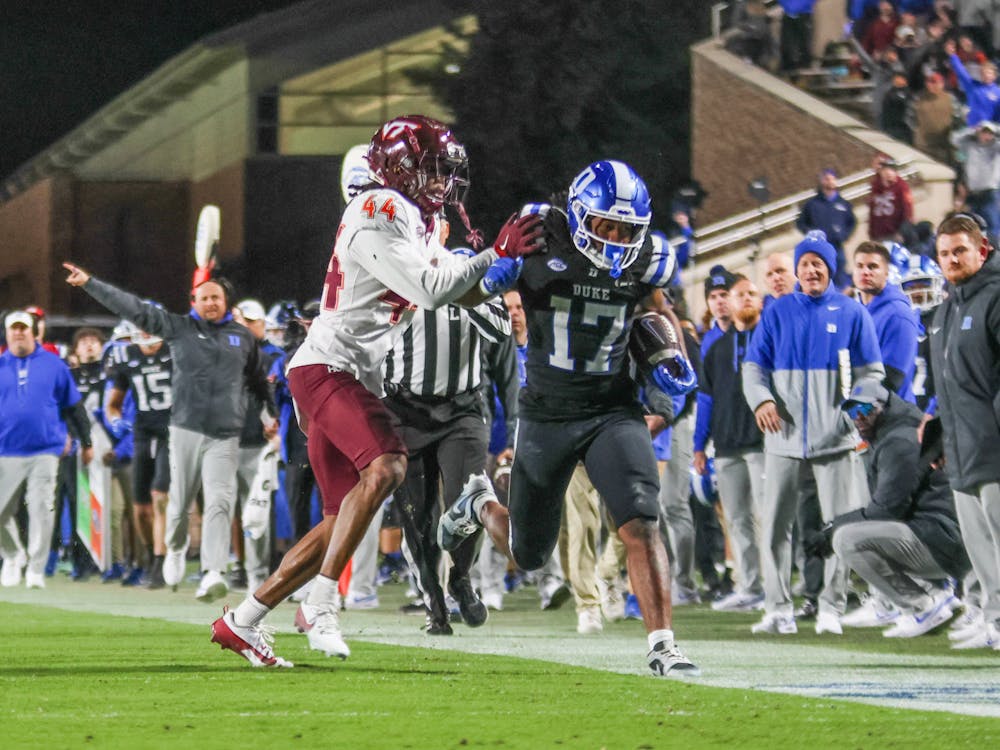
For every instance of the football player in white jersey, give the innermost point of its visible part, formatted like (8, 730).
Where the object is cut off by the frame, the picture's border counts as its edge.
(386, 262)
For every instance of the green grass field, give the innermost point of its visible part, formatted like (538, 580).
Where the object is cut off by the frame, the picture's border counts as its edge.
(72, 676)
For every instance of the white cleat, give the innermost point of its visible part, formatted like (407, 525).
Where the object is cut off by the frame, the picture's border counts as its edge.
(493, 600)
(828, 622)
(252, 642)
(986, 636)
(460, 522)
(321, 624)
(10, 574)
(34, 580)
(739, 601)
(872, 613)
(666, 660)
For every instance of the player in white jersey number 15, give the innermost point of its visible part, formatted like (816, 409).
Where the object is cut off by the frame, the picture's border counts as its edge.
(386, 262)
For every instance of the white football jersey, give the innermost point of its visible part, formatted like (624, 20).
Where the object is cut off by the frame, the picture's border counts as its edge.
(385, 264)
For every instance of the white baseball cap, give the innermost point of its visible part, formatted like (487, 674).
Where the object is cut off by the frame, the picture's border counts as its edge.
(19, 316)
(252, 309)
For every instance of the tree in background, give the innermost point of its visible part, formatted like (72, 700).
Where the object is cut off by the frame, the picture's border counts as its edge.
(549, 86)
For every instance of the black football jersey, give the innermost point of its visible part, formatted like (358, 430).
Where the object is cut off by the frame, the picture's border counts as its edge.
(148, 377)
(89, 379)
(579, 319)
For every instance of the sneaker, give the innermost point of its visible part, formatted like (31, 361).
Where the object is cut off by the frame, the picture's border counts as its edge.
(369, 601)
(473, 611)
(212, 586)
(174, 564)
(739, 601)
(34, 580)
(776, 623)
(493, 600)
(115, 573)
(321, 624)
(252, 642)
(237, 578)
(589, 621)
(828, 622)
(967, 625)
(612, 600)
(807, 611)
(918, 623)
(437, 627)
(553, 593)
(666, 660)
(985, 636)
(156, 575)
(632, 610)
(681, 596)
(416, 607)
(10, 574)
(460, 522)
(300, 594)
(873, 613)
(134, 577)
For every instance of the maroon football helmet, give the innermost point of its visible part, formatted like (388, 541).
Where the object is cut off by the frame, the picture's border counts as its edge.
(421, 158)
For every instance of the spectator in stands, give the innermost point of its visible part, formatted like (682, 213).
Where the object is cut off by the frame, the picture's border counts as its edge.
(725, 418)
(896, 323)
(752, 39)
(829, 212)
(717, 286)
(890, 203)
(796, 34)
(965, 358)
(974, 18)
(808, 343)
(930, 57)
(881, 32)
(37, 396)
(979, 152)
(778, 276)
(982, 96)
(931, 115)
(906, 542)
(881, 70)
(895, 105)
(216, 360)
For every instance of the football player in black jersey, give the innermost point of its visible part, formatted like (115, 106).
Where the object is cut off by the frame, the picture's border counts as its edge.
(580, 402)
(144, 368)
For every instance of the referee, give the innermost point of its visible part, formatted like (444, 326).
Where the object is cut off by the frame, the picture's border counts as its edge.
(433, 378)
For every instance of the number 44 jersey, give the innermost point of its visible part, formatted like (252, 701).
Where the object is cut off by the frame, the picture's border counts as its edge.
(385, 263)
(579, 319)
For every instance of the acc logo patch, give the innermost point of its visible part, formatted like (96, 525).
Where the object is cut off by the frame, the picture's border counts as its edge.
(557, 265)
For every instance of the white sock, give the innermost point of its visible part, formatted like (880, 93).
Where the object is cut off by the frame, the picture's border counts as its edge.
(661, 636)
(323, 591)
(250, 612)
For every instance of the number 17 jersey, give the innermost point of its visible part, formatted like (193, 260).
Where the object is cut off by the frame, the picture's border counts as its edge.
(579, 320)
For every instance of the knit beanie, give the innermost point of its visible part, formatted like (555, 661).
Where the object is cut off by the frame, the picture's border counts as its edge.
(815, 242)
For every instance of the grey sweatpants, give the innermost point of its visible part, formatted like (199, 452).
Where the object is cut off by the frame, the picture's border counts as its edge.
(777, 516)
(257, 551)
(675, 492)
(741, 490)
(214, 462)
(890, 557)
(39, 474)
(979, 519)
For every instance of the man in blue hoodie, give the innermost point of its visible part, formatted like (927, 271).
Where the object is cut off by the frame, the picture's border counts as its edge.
(811, 346)
(831, 213)
(896, 323)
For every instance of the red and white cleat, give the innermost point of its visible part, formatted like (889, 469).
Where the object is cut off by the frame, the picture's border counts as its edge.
(252, 642)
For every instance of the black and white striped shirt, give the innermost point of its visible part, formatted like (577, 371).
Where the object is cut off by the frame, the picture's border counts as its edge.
(438, 354)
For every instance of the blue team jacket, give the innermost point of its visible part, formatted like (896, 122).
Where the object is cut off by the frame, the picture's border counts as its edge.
(33, 392)
(804, 355)
(898, 328)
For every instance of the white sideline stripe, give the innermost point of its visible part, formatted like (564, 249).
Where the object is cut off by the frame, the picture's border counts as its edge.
(950, 682)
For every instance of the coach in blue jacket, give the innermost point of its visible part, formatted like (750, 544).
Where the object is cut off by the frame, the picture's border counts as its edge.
(808, 350)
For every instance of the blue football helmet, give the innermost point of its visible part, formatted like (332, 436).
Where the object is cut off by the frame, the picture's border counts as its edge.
(609, 190)
(705, 488)
(923, 283)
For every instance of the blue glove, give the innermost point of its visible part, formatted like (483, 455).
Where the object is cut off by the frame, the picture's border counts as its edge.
(501, 276)
(675, 376)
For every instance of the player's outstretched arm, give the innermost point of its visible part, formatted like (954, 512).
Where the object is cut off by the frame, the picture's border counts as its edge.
(147, 316)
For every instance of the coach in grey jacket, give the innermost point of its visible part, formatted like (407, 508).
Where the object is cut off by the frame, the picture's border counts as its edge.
(216, 361)
(965, 357)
